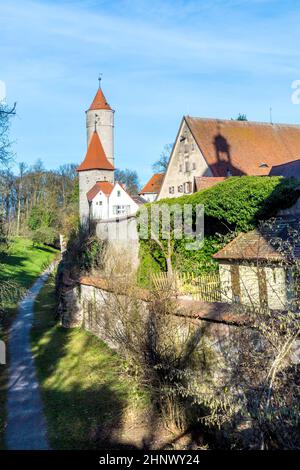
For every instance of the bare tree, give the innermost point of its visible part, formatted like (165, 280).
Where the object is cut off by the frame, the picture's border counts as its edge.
(160, 166)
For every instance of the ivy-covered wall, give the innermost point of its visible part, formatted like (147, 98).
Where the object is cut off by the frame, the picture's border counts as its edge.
(233, 206)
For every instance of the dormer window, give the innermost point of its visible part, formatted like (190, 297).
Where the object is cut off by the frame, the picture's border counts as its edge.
(263, 165)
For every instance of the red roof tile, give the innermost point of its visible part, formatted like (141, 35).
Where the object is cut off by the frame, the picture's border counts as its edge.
(105, 186)
(249, 246)
(95, 158)
(244, 147)
(99, 102)
(205, 182)
(154, 184)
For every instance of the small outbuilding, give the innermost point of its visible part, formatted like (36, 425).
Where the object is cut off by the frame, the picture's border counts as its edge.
(261, 267)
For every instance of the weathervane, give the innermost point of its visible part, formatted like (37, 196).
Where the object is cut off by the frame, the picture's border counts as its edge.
(99, 79)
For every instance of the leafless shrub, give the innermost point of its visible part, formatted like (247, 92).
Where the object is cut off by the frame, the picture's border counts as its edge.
(167, 353)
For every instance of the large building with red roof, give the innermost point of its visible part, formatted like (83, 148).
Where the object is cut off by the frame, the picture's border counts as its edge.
(209, 150)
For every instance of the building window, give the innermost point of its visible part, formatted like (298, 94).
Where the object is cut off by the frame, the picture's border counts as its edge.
(187, 166)
(171, 190)
(187, 187)
(118, 193)
(180, 188)
(180, 168)
(121, 210)
(194, 166)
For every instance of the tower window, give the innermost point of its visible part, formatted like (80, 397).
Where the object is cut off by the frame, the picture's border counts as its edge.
(118, 193)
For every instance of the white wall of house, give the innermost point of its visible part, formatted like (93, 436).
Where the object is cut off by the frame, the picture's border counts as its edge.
(249, 287)
(185, 163)
(120, 203)
(99, 206)
(225, 279)
(279, 290)
(276, 287)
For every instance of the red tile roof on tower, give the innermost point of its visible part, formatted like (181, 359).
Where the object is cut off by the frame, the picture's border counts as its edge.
(154, 184)
(105, 186)
(245, 147)
(95, 158)
(99, 102)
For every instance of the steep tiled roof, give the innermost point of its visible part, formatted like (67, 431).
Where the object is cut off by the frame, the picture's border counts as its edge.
(154, 184)
(267, 243)
(99, 102)
(105, 186)
(205, 182)
(243, 147)
(95, 158)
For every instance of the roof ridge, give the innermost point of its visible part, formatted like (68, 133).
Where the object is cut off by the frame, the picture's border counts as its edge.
(242, 123)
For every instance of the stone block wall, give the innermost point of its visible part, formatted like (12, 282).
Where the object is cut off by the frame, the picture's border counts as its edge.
(85, 305)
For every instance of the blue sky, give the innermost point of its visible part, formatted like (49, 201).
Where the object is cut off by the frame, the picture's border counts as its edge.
(160, 59)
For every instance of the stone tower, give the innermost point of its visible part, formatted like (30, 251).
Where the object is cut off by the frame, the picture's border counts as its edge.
(98, 164)
(101, 115)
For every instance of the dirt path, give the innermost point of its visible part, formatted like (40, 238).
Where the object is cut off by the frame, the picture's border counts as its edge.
(26, 428)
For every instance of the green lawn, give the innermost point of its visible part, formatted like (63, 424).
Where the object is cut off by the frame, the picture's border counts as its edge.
(85, 391)
(24, 262)
(21, 265)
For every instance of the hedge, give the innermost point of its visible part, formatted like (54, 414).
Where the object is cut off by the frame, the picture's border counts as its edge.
(232, 206)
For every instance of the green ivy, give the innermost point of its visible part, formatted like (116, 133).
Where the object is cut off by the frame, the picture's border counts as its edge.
(232, 206)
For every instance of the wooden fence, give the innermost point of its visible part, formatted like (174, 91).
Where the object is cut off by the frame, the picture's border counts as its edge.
(206, 287)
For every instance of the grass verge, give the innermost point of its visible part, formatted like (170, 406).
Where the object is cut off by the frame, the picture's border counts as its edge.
(85, 393)
(22, 264)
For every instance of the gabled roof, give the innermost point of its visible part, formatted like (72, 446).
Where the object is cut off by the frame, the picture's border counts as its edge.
(205, 182)
(244, 147)
(95, 158)
(266, 243)
(105, 186)
(154, 184)
(99, 102)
